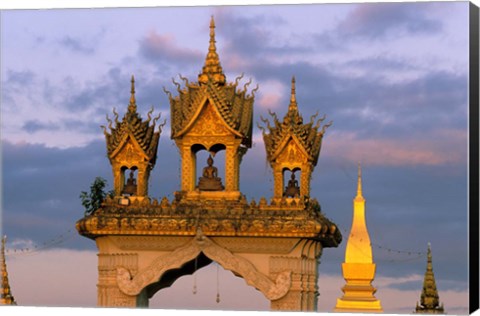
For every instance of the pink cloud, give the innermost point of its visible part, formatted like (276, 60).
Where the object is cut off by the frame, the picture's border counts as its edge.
(157, 46)
(434, 149)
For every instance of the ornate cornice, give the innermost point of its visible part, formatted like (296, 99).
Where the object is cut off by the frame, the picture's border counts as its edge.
(281, 218)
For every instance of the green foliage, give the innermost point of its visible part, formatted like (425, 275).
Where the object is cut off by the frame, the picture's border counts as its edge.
(93, 201)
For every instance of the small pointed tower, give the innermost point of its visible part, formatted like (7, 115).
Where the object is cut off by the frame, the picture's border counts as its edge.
(292, 146)
(213, 115)
(429, 299)
(358, 268)
(132, 146)
(6, 297)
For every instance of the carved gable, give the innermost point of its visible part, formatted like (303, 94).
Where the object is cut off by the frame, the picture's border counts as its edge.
(209, 123)
(130, 153)
(292, 153)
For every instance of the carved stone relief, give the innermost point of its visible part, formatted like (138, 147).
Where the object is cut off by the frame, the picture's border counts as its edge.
(272, 290)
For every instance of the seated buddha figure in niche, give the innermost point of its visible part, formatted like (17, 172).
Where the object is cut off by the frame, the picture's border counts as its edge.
(210, 180)
(292, 189)
(130, 187)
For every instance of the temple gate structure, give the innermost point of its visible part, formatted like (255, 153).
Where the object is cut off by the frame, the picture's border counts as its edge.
(145, 244)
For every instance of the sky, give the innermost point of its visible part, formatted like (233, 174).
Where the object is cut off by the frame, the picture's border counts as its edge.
(393, 78)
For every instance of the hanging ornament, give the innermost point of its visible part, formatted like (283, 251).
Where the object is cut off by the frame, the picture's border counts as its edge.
(218, 286)
(195, 278)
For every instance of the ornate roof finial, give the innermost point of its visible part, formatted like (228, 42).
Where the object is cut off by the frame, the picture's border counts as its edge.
(6, 297)
(293, 99)
(212, 68)
(429, 299)
(359, 181)
(132, 106)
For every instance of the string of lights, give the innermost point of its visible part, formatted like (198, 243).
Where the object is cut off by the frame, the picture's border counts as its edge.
(411, 255)
(37, 247)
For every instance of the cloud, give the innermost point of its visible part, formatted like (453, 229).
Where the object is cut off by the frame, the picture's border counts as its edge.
(33, 126)
(76, 45)
(399, 152)
(21, 78)
(163, 48)
(380, 20)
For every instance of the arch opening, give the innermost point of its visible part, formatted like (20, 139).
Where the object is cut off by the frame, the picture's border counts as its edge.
(211, 282)
(128, 182)
(291, 181)
(210, 167)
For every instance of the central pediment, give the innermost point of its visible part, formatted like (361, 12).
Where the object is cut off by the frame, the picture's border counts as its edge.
(208, 122)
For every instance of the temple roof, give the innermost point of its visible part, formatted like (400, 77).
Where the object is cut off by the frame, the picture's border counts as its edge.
(235, 106)
(6, 297)
(429, 299)
(292, 127)
(132, 127)
(212, 69)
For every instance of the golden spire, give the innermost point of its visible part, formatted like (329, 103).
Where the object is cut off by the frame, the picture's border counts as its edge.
(6, 297)
(358, 268)
(358, 244)
(132, 106)
(293, 99)
(429, 299)
(212, 68)
(359, 182)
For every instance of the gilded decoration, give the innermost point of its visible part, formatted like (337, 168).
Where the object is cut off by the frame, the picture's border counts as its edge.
(6, 297)
(133, 130)
(292, 145)
(274, 244)
(132, 144)
(429, 299)
(200, 243)
(209, 124)
(287, 217)
(308, 135)
(235, 106)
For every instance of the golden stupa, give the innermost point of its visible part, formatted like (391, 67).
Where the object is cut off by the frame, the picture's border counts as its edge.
(358, 268)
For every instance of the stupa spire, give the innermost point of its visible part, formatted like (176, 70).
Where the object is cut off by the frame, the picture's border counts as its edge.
(293, 98)
(429, 299)
(132, 106)
(359, 182)
(358, 268)
(212, 68)
(6, 297)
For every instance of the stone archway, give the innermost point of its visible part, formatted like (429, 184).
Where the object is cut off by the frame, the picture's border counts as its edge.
(273, 290)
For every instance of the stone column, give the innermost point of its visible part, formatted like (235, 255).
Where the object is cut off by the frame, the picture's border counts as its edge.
(278, 185)
(230, 156)
(188, 167)
(142, 179)
(108, 293)
(118, 179)
(305, 180)
(303, 292)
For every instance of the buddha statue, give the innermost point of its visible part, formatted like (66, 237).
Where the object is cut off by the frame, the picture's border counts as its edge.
(210, 180)
(292, 189)
(131, 187)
